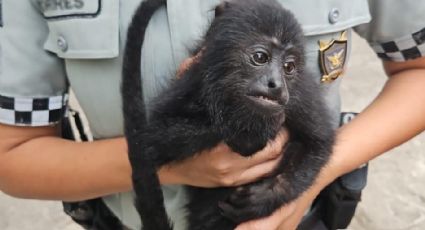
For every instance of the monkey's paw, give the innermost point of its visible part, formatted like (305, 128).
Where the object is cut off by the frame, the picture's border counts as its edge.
(253, 201)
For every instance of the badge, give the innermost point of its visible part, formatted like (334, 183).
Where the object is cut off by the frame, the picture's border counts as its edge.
(332, 56)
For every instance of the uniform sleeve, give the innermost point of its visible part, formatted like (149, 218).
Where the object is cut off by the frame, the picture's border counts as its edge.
(397, 29)
(33, 86)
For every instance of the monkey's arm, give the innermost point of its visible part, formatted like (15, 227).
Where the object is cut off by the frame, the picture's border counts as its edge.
(293, 176)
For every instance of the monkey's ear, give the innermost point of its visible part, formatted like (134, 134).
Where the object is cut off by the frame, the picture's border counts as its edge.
(221, 8)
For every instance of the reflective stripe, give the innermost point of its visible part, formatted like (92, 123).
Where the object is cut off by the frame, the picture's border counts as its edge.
(32, 111)
(405, 48)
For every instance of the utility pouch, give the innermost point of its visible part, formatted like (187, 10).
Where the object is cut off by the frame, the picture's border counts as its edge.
(341, 198)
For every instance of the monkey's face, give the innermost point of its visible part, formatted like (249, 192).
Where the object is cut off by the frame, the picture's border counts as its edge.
(259, 75)
(254, 55)
(268, 69)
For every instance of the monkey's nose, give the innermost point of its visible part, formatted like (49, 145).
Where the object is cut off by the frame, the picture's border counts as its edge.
(272, 84)
(277, 90)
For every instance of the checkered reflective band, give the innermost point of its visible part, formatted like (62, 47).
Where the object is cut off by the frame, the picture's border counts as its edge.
(32, 111)
(402, 49)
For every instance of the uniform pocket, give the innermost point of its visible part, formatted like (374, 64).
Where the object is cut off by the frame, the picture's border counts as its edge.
(82, 29)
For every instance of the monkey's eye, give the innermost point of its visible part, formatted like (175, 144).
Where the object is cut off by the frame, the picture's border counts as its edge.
(260, 58)
(289, 67)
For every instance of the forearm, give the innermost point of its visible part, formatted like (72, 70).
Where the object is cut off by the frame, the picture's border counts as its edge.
(53, 168)
(395, 116)
(57, 169)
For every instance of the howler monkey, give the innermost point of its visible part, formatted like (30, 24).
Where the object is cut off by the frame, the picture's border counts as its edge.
(248, 82)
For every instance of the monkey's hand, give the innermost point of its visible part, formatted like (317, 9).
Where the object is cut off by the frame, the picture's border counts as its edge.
(256, 200)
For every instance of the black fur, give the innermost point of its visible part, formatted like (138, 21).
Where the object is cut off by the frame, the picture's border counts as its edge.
(211, 102)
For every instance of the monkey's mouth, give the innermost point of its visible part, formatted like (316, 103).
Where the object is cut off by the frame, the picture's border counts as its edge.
(265, 100)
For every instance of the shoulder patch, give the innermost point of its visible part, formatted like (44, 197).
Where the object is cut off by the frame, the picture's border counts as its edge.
(332, 57)
(58, 9)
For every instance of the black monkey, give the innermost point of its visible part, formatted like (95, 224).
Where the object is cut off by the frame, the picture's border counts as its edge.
(247, 84)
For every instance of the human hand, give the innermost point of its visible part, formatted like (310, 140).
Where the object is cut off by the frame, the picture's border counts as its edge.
(289, 216)
(220, 166)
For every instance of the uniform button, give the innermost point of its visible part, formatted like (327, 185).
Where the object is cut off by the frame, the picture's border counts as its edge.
(62, 44)
(334, 15)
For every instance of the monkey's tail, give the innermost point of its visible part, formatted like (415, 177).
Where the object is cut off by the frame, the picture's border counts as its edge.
(145, 179)
(131, 85)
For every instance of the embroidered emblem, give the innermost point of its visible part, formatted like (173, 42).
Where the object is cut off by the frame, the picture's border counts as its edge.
(332, 56)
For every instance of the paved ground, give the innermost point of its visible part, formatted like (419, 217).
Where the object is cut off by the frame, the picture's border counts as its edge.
(393, 200)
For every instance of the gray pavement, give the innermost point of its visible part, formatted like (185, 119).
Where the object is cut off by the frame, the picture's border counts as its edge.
(393, 200)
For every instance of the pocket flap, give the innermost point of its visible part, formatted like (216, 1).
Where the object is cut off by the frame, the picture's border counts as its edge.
(82, 29)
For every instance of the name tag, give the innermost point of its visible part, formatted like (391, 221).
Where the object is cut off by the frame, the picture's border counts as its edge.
(55, 9)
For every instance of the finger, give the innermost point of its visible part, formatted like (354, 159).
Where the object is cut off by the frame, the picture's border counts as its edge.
(187, 63)
(272, 150)
(257, 171)
(281, 138)
(184, 66)
(224, 154)
(271, 222)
